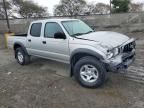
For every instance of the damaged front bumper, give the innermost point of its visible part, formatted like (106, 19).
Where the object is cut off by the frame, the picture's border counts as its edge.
(120, 62)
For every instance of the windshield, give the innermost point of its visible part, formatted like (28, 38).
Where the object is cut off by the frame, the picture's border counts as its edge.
(76, 27)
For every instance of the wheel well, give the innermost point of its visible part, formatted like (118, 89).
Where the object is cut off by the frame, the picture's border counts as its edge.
(16, 46)
(77, 57)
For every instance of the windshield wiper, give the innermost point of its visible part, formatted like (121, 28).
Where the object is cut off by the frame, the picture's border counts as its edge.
(88, 32)
(77, 34)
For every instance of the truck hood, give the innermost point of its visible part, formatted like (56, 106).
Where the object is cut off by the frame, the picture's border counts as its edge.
(106, 38)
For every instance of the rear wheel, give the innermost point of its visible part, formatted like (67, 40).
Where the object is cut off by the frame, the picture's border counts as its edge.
(22, 57)
(90, 72)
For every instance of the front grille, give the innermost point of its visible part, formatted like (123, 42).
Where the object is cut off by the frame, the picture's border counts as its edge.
(129, 47)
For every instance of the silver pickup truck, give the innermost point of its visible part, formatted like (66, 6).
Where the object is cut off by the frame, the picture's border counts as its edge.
(91, 54)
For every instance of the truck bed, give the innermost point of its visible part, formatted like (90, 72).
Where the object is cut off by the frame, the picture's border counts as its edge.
(16, 38)
(20, 35)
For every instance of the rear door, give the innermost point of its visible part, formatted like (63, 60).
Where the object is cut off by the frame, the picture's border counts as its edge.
(34, 45)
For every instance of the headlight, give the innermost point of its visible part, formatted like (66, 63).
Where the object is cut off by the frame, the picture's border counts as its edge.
(116, 51)
(109, 54)
(112, 53)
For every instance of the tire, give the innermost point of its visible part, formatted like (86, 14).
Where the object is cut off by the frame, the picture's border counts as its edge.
(22, 57)
(92, 68)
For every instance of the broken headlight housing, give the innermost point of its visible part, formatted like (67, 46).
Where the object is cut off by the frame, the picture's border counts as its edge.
(112, 53)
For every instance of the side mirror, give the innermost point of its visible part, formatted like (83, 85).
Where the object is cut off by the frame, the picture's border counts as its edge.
(59, 35)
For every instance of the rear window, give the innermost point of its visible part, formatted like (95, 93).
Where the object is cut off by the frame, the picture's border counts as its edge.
(36, 29)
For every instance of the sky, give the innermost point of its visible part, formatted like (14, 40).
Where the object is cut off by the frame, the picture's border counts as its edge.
(51, 3)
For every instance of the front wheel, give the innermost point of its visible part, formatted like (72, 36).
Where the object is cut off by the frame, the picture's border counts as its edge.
(90, 72)
(22, 57)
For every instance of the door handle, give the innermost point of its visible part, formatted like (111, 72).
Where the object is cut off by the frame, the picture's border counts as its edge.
(44, 42)
(29, 40)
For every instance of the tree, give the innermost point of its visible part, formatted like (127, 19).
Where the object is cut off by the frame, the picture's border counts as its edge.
(28, 9)
(102, 8)
(69, 7)
(120, 6)
(136, 7)
(2, 12)
(89, 9)
(99, 8)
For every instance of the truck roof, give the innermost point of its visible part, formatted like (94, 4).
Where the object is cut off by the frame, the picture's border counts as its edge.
(53, 20)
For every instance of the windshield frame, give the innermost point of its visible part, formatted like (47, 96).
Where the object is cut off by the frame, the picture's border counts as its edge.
(74, 34)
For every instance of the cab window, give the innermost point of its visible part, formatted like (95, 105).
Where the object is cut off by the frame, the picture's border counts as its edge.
(36, 29)
(51, 28)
